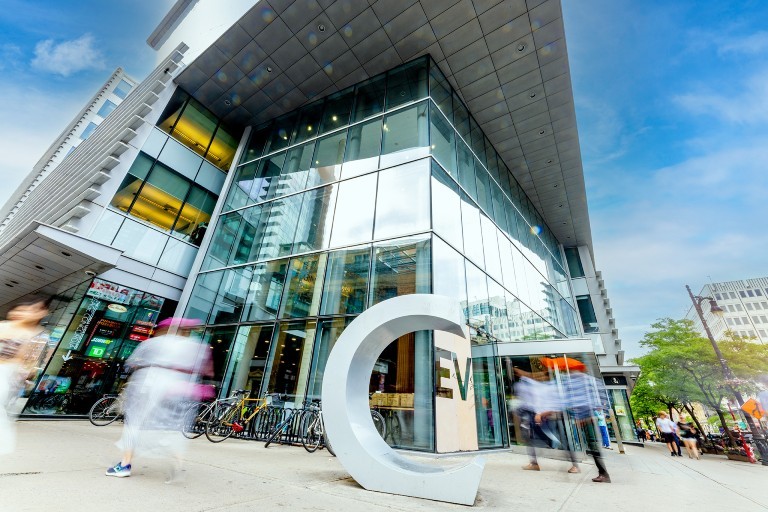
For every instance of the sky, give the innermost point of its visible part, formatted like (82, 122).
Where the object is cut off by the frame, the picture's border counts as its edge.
(672, 108)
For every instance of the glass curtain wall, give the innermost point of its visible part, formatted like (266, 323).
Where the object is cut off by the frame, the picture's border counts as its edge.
(394, 190)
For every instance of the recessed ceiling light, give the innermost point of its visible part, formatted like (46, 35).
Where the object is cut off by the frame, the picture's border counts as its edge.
(549, 161)
(39, 267)
(532, 95)
(321, 27)
(564, 223)
(541, 132)
(269, 69)
(559, 206)
(227, 102)
(521, 47)
(555, 186)
(9, 285)
(65, 253)
(14, 282)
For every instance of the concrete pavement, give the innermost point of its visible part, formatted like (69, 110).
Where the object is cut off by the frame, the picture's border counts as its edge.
(60, 466)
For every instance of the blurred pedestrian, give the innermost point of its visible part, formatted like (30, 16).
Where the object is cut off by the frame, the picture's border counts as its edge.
(22, 340)
(640, 432)
(688, 434)
(603, 426)
(584, 395)
(667, 428)
(166, 371)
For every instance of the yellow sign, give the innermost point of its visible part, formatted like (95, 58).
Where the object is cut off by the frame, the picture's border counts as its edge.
(753, 407)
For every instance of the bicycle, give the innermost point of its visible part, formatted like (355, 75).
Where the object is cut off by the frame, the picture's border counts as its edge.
(106, 410)
(227, 417)
(196, 418)
(283, 427)
(314, 432)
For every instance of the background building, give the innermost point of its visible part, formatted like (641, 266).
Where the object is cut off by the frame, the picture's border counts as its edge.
(324, 156)
(745, 309)
(109, 96)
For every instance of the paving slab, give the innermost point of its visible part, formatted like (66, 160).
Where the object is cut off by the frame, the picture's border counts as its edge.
(59, 465)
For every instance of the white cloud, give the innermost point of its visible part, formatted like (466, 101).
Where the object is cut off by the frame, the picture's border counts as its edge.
(67, 57)
(753, 44)
(746, 105)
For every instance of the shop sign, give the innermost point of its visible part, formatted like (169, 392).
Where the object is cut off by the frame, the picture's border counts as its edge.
(85, 323)
(117, 308)
(620, 410)
(615, 380)
(109, 292)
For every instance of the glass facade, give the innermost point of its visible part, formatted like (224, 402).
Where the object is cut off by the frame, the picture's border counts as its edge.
(384, 189)
(94, 327)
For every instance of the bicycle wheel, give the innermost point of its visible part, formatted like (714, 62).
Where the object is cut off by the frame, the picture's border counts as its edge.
(380, 423)
(104, 411)
(313, 435)
(196, 419)
(277, 432)
(219, 427)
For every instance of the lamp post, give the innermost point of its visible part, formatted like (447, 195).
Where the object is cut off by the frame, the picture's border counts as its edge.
(757, 434)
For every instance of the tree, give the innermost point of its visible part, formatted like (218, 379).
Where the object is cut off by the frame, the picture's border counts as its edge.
(683, 367)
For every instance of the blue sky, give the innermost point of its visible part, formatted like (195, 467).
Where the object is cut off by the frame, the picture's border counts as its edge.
(671, 99)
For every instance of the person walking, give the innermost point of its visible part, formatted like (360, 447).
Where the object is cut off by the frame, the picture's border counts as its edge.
(165, 369)
(603, 426)
(667, 428)
(22, 340)
(688, 434)
(640, 432)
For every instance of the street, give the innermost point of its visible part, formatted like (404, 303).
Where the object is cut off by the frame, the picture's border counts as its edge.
(59, 465)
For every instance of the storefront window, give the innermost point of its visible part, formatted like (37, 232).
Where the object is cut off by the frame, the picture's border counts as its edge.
(400, 267)
(248, 358)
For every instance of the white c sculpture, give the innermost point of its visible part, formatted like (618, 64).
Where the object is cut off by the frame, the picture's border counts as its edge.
(347, 417)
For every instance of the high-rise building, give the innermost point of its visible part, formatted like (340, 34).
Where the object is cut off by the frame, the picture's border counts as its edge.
(108, 97)
(289, 164)
(745, 309)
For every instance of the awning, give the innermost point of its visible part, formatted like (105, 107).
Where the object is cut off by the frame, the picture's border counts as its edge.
(46, 259)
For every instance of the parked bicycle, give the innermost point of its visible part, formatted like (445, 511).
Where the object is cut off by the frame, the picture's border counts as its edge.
(106, 410)
(291, 428)
(314, 429)
(232, 415)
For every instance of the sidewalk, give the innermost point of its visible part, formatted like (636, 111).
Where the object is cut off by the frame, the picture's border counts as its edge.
(60, 466)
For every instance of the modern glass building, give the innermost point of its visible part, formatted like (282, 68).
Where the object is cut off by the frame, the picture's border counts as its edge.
(290, 164)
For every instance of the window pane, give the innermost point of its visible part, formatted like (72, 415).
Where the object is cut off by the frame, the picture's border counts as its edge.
(446, 207)
(203, 295)
(309, 122)
(88, 131)
(220, 342)
(195, 215)
(247, 360)
(461, 118)
(449, 275)
(400, 267)
(240, 189)
(154, 143)
(490, 156)
(256, 143)
(440, 91)
(402, 202)
(353, 220)
(180, 159)
(329, 154)
(405, 135)
(195, 127)
(443, 140)
(304, 285)
(109, 224)
(483, 188)
(498, 323)
(328, 332)
(223, 238)
(172, 110)
(265, 291)
(161, 197)
(470, 221)
(140, 242)
(223, 148)
(477, 295)
(314, 228)
(210, 178)
(369, 98)
(132, 182)
(291, 358)
(276, 228)
(477, 140)
(498, 208)
(177, 257)
(346, 281)
(267, 178)
(106, 108)
(122, 89)
(466, 164)
(231, 297)
(507, 264)
(294, 174)
(282, 131)
(491, 248)
(407, 83)
(363, 149)
(245, 236)
(337, 110)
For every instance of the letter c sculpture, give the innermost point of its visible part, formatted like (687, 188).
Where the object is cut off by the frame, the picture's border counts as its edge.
(347, 417)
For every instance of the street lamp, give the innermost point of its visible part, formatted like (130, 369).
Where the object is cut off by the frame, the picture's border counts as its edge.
(760, 442)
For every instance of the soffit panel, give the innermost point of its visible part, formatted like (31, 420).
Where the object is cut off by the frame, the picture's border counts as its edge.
(506, 58)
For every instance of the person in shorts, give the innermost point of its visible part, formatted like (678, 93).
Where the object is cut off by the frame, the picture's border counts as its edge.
(667, 428)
